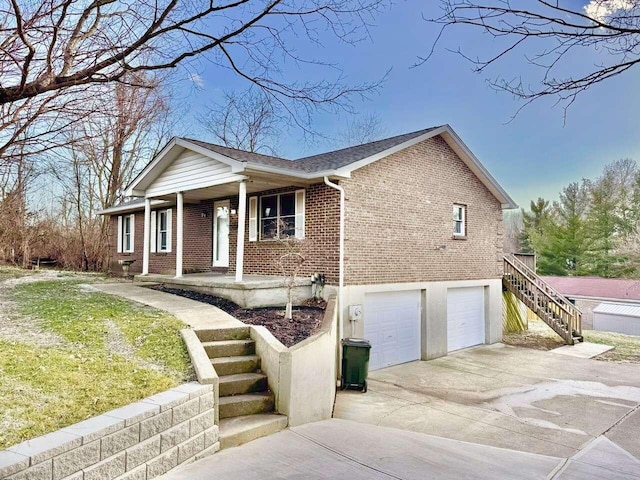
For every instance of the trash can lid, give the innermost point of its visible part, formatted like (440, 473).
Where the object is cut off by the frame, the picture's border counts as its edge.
(356, 342)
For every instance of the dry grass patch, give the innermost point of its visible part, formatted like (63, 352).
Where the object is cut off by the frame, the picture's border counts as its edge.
(540, 337)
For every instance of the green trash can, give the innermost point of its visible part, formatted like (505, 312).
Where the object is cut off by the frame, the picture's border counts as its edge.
(355, 363)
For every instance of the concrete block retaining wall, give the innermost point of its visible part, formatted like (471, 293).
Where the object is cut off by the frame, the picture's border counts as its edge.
(136, 442)
(303, 377)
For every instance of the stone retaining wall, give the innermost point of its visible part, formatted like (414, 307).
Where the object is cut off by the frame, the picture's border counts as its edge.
(137, 442)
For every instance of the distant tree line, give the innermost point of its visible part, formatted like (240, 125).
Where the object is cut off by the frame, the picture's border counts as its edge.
(593, 229)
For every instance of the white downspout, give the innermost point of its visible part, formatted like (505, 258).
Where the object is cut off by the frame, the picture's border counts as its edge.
(341, 260)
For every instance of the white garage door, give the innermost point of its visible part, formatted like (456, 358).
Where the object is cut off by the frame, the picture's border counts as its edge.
(392, 325)
(465, 317)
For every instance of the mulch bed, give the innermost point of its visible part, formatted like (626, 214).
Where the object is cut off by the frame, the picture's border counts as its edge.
(306, 322)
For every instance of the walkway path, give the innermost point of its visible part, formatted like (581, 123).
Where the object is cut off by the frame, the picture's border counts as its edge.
(195, 314)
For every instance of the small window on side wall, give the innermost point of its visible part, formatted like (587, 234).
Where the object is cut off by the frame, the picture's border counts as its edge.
(125, 233)
(459, 220)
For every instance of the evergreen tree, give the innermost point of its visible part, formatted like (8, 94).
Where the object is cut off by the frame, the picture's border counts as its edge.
(565, 243)
(534, 224)
(604, 226)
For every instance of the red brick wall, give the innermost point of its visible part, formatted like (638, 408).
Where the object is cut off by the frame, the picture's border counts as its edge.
(197, 253)
(322, 224)
(399, 225)
(322, 211)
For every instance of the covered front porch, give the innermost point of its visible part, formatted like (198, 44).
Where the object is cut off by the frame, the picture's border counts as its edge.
(253, 291)
(185, 176)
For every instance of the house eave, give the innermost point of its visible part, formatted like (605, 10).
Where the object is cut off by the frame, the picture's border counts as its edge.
(132, 207)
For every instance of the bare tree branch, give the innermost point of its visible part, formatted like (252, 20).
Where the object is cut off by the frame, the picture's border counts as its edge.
(66, 43)
(611, 27)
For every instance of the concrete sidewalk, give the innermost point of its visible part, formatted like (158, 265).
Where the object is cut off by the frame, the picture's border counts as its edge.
(195, 314)
(342, 449)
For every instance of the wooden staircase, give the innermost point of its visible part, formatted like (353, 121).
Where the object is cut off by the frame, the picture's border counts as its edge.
(246, 405)
(548, 304)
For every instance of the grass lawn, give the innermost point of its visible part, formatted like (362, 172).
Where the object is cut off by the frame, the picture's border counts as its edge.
(7, 273)
(97, 352)
(541, 337)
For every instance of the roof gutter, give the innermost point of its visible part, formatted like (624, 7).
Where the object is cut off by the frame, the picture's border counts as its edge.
(340, 189)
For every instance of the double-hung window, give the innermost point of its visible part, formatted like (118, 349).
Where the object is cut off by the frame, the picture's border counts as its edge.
(279, 216)
(126, 226)
(161, 231)
(459, 220)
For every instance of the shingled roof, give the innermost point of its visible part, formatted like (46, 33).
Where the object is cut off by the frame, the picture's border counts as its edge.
(596, 287)
(333, 164)
(316, 163)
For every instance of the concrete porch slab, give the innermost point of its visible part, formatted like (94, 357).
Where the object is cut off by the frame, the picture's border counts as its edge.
(255, 291)
(583, 350)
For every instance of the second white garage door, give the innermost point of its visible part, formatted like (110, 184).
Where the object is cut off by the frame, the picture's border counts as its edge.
(392, 325)
(465, 317)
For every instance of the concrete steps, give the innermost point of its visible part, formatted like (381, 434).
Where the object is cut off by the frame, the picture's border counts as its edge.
(238, 430)
(219, 334)
(243, 383)
(235, 365)
(246, 406)
(229, 348)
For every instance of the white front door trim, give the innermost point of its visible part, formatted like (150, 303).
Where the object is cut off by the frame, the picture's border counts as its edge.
(220, 258)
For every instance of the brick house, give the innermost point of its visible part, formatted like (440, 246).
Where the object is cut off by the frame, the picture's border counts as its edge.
(407, 230)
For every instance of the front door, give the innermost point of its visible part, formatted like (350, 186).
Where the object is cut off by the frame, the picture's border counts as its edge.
(221, 234)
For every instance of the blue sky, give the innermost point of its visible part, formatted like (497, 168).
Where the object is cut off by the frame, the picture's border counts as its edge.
(535, 154)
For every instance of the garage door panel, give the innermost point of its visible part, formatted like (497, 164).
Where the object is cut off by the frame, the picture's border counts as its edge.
(392, 325)
(465, 317)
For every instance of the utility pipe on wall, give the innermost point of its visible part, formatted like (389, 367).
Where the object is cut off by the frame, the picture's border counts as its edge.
(341, 258)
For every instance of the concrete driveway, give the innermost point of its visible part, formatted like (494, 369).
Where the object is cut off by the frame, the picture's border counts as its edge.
(341, 449)
(527, 400)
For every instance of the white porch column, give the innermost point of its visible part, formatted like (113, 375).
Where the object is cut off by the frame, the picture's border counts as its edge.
(147, 236)
(179, 232)
(242, 213)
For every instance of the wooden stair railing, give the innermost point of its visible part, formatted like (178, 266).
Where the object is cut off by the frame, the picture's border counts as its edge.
(546, 302)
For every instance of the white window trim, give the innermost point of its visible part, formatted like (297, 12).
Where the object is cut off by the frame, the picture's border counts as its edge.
(122, 235)
(463, 219)
(156, 244)
(253, 219)
(298, 216)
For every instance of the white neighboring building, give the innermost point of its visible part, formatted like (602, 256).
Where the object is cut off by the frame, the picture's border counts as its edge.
(617, 317)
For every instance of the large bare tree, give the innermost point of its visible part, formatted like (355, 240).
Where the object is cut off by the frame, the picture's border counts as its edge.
(246, 120)
(602, 39)
(56, 44)
(362, 129)
(103, 153)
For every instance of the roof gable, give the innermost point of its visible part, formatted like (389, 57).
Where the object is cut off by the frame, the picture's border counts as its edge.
(175, 151)
(338, 163)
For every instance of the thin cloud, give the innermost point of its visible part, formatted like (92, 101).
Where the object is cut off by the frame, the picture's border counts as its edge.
(196, 79)
(601, 10)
